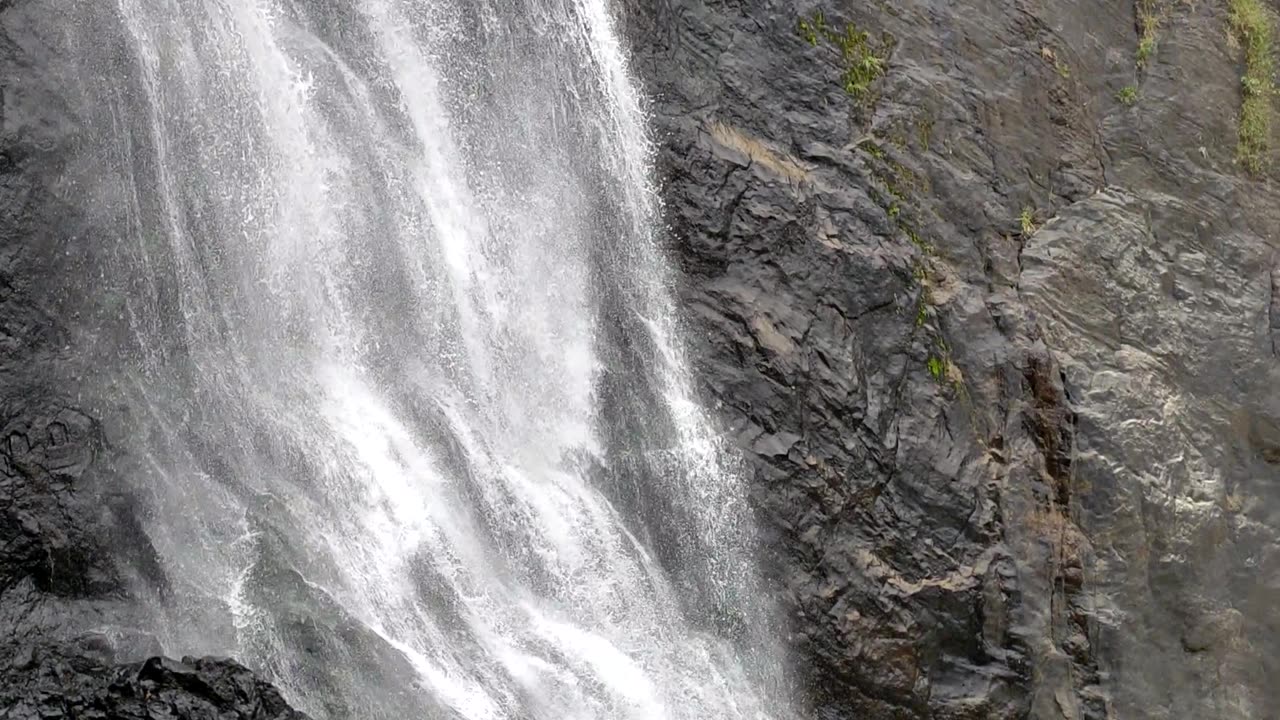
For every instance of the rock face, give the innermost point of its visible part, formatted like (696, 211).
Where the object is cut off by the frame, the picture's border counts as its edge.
(79, 686)
(998, 330)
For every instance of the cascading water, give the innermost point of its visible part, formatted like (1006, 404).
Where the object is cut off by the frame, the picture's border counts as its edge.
(408, 408)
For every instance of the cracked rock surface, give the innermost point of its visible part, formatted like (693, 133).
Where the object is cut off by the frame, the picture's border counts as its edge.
(1001, 348)
(76, 684)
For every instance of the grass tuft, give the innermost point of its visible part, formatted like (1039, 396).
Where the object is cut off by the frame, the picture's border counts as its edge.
(776, 161)
(1027, 221)
(1146, 49)
(1148, 31)
(1254, 28)
(1127, 95)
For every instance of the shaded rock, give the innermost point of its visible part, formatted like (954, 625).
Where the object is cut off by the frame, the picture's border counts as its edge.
(62, 684)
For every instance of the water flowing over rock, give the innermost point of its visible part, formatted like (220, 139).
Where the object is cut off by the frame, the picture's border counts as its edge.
(345, 347)
(638, 359)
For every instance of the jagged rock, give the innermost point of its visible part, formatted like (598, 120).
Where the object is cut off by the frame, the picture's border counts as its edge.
(54, 683)
(1019, 338)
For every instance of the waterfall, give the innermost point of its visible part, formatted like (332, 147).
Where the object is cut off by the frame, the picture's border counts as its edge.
(386, 307)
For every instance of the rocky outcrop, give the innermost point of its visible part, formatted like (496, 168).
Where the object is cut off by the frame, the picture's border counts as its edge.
(67, 548)
(997, 327)
(44, 684)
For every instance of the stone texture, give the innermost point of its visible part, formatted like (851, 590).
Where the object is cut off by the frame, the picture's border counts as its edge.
(1003, 471)
(72, 682)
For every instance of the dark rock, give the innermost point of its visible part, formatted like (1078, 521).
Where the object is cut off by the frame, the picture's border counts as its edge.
(69, 684)
(1005, 348)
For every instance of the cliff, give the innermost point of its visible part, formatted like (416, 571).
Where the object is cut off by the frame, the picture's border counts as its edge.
(988, 292)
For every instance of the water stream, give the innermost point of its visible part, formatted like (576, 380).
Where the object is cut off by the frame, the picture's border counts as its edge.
(408, 403)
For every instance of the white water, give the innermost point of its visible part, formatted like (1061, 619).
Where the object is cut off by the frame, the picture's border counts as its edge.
(419, 434)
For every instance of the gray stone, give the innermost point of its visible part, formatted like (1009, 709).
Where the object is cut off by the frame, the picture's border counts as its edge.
(1036, 467)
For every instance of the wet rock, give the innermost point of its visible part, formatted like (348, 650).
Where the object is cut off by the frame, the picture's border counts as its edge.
(72, 550)
(1023, 336)
(69, 684)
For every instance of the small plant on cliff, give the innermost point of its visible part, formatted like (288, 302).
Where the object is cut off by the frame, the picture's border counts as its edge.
(1148, 27)
(862, 59)
(1127, 95)
(937, 368)
(813, 30)
(1027, 221)
(1254, 28)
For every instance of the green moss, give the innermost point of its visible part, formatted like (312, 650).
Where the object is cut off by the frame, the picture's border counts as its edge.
(813, 30)
(1146, 49)
(1127, 95)
(937, 367)
(1254, 28)
(916, 240)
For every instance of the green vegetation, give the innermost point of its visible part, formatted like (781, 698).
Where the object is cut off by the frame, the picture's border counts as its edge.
(1051, 57)
(1148, 28)
(1127, 95)
(1254, 27)
(937, 367)
(813, 30)
(862, 59)
(1027, 221)
(894, 181)
(924, 132)
(943, 370)
(894, 187)
(1146, 48)
(915, 239)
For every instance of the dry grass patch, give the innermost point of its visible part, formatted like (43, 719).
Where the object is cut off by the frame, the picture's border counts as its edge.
(1149, 17)
(775, 161)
